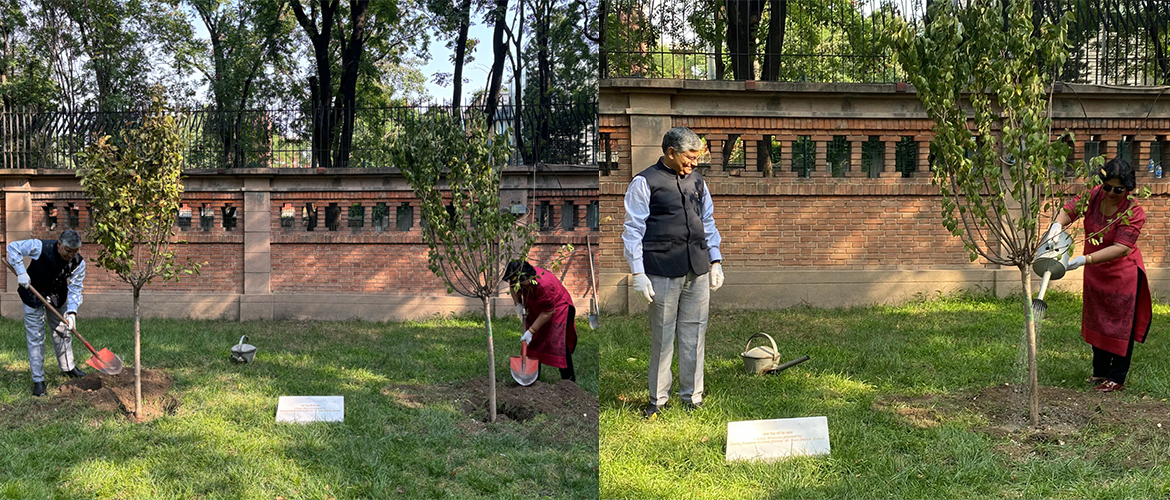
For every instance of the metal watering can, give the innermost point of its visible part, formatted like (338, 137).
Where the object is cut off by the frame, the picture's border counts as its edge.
(761, 360)
(1052, 256)
(243, 353)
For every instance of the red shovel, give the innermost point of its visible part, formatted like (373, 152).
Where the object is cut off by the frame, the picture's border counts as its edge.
(524, 369)
(103, 361)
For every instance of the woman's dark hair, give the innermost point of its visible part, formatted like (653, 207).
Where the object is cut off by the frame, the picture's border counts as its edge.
(1121, 170)
(518, 270)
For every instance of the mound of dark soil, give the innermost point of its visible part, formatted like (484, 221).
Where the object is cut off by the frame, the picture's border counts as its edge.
(567, 411)
(116, 393)
(1066, 415)
(561, 401)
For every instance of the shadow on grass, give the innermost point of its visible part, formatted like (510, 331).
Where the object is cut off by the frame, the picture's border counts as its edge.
(224, 442)
(942, 348)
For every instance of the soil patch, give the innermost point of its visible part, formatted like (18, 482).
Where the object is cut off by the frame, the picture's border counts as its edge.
(1067, 417)
(116, 393)
(565, 411)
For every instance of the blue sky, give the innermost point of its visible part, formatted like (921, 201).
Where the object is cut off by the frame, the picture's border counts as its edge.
(476, 73)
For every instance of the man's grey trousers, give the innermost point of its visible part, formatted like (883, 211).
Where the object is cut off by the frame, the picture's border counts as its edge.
(679, 310)
(34, 332)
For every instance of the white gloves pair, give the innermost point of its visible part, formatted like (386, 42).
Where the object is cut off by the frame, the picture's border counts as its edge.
(645, 291)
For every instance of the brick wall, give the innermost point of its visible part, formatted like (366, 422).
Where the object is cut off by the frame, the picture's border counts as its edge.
(354, 262)
(869, 230)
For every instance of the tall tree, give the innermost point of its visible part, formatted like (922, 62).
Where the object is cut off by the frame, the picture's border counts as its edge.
(108, 53)
(498, 16)
(999, 177)
(453, 17)
(24, 72)
(135, 190)
(558, 62)
(342, 37)
(248, 49)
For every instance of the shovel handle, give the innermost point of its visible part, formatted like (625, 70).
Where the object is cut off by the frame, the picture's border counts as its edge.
(50, 307)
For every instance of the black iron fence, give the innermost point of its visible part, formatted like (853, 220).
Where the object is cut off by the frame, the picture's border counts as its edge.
(1113, 42)
(555, 133)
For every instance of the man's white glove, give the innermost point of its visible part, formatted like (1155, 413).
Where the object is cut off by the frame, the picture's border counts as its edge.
(643, 289)
(1076, 262)
(716, 276)
(1052, 234)
(520, 311)
(71, 320)
(527, 337)
(62, 330)
(23, 280)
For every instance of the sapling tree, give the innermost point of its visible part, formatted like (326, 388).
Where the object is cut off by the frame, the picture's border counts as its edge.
(984, 75)
(454, 164)
(134, 188)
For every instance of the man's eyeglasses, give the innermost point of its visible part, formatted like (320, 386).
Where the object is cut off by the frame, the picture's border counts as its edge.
(1115, 189)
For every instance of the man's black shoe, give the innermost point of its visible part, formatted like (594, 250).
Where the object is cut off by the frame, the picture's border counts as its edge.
(651, 411)
(38, 389)
(694, 406)
(74, 373)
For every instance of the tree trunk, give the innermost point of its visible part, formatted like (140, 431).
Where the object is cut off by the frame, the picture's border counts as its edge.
(742, 16)
(351, 58)
(602, 54)
(1030, 341)
(774, 46)
(719, 28)
(487, 311)
(499, 52)
(544, 80)
(137, 355)
(460, 53)
(320, 85)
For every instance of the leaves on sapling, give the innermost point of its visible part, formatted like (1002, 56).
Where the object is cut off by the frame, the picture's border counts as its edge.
(134, 191)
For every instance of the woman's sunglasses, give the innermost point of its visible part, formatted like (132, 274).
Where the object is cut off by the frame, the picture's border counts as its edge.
(1115, 189)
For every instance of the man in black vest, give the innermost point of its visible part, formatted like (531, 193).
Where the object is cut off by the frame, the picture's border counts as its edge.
(672, 247)
(57, 271)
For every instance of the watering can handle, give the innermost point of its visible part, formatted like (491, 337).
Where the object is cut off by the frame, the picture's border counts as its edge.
(243, 339)
(775, 351)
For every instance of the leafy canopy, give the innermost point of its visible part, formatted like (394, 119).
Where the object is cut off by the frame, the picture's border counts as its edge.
(134, 186)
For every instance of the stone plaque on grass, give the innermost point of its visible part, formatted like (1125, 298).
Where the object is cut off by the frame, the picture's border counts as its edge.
(311, 409)
(768, 440)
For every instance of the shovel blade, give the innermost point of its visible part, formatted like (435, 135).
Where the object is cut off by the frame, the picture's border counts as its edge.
(524, 370)
(106, 362)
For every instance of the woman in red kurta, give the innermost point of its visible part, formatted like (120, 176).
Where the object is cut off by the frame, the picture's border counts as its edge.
(1117, 308)
(551, 329)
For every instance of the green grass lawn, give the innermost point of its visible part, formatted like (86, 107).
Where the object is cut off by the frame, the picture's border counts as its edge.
(223, 442)
(859, 358)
